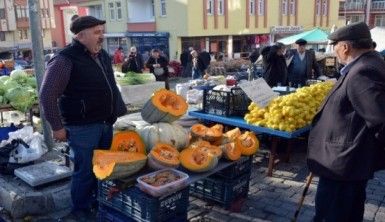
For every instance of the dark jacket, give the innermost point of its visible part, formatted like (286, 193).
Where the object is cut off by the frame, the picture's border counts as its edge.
(184, 58)
(134, 63)
(342, 143)
(274, 66)
(161, 60)
(91, 94)
(205, 58)
(311, 64)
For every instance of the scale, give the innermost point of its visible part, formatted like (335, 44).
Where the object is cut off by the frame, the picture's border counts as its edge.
(42, 173)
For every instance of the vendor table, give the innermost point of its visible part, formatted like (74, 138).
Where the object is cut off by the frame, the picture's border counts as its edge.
(240, 122)
(139, 94)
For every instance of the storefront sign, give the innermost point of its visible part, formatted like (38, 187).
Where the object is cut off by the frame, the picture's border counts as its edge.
(259, 92)
(147, 34)
(286, 29)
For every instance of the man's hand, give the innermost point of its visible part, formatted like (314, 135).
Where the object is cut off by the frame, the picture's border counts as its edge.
(60, 135)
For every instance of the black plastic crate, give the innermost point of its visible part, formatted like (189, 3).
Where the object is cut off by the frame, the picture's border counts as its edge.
(233, 103)
(108, 214)
(221, 190)
(134, 203)
(242, 166)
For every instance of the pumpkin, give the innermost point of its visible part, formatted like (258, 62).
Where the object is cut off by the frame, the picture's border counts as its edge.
(197, 160)
(248, 143)
(163, 156)
(214, 150)
(228, 137)
(231, 151)
(164, 106)
(128, 141)
(116, 164)
(211, 134)
(168, 133)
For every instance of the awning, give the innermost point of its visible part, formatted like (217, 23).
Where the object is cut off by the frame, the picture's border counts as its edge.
(314, 36)
(114, 35)
(378, 34)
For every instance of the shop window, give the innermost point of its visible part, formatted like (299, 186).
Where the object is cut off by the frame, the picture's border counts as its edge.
(163, 11)
(221, 7)
(2, 36)
(292, 7)
(261, 7)
(324, 7)
(252, 7)
(21, 11)
(284, 7)
(210, 7)
(2, 13)
(379, 20)
(355, 18)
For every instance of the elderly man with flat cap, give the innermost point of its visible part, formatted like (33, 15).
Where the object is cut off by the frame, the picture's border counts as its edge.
(302, 64)
(345, 146)
(81, 101)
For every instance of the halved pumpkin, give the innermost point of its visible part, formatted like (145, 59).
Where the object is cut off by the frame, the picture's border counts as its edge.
(248, 142)
(163, 156)
(128, 141)
(228, 137)
(197, 160)
(211, 134)
(164, 106)
(231, 151)
(114, 164)
(206, 146)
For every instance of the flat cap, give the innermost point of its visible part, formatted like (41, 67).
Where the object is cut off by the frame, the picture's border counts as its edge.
(301, 42)
(353, 31)
(84, 22)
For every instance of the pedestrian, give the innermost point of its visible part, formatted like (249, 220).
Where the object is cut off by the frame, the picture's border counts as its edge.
(274, 64)
(206, 59)
(254, 55)
(158, 65)
(184, 59)
(118, 55)
(302, 64)
(81, 101)
(134, 62)
(343, 147)
(198, 66)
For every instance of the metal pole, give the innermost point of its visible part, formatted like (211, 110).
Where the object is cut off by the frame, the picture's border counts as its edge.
(38, 59)
(367, 11)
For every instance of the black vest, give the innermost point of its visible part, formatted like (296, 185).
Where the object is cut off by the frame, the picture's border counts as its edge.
(91, 95)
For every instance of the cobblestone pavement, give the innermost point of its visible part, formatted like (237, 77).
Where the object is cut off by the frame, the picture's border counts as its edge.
(276, 198)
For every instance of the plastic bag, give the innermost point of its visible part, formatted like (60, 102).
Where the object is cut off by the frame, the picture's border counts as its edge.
(194, 96)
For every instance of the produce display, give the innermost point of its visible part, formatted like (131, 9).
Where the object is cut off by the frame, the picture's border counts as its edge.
(168, 133)
(248, 142)
(231, 151)
(207, 147)
(211, 134)
(133, 78)
(161, 178)
(164, 106)
(163, 156)
(128, 141)
(292, 111)
(116, 164)
(18, 90)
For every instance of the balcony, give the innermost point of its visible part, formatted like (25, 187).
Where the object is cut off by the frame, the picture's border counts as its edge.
(378, 6)
(354, 6)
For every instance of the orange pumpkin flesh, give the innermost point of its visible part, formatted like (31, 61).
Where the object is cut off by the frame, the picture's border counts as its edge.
(163, 156)
(206, 146)
(211, 134)
(114, 164)
(164, 106)
(248, 142)
(197, 160)
(231, 151)
(128, 141)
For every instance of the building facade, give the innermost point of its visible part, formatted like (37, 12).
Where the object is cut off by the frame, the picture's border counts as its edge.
(15, 35)
(233, 27)
(370, 11)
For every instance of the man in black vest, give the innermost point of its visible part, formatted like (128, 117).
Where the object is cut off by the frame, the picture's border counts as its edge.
(81, 101)
(346, 144)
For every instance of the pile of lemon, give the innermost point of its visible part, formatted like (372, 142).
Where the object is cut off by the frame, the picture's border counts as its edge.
(290, 112)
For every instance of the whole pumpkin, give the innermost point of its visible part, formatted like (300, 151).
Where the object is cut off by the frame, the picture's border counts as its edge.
(168, 133)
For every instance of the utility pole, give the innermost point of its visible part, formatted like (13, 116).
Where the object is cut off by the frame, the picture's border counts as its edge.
(367, 11)
(38, 59)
